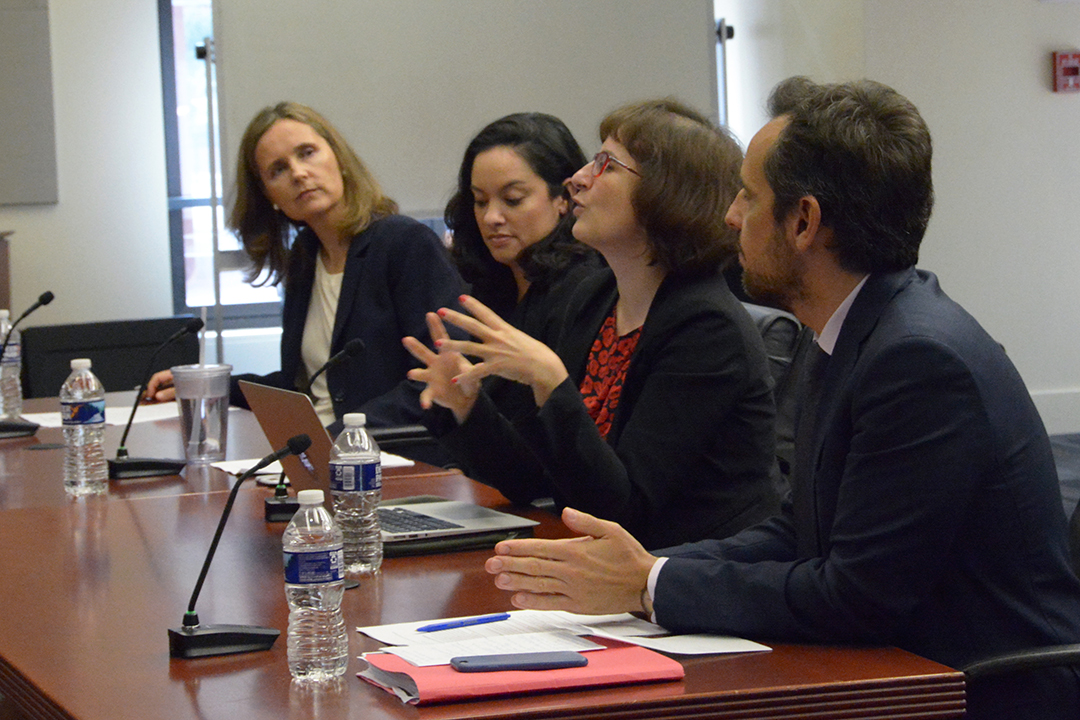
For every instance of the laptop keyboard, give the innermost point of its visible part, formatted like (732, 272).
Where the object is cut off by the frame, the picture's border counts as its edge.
(399, 520)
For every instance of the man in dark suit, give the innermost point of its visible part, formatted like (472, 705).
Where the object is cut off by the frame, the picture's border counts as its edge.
(925, 510)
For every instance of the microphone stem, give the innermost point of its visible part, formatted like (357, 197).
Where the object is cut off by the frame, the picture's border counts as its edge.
(190, 618)
(121, 451)
(214, 544)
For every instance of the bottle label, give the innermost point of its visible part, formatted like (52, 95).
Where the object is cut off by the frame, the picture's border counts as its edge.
(352, 477)
(12, 353)
(318, 566)
(83, 413)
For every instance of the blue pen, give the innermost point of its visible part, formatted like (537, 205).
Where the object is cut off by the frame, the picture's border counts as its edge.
(464, 622)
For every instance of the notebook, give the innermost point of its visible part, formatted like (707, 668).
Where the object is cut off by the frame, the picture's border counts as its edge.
(412, 525)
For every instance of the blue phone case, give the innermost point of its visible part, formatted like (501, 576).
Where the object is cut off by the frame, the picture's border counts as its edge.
(519, 661)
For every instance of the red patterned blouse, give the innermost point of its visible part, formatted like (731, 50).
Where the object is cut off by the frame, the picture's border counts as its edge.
(605, 371)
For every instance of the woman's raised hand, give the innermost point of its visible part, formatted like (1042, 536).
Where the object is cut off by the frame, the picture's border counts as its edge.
(441, 368)
(502, 350)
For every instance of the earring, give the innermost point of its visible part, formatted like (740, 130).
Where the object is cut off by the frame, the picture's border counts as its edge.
(276, 208)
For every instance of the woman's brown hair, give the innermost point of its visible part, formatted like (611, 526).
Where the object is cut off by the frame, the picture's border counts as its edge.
(689, 176)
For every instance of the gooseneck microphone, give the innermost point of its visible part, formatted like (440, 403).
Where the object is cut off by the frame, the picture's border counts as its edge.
(352, 348)
(123, 466)
(192, 639)
(17, 427)
(44, 299)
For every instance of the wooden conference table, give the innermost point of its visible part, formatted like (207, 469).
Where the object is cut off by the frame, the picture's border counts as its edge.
(91, 586)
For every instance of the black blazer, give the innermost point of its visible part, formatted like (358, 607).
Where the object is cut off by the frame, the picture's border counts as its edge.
(397, 270)
(691, 443)
(934, 521)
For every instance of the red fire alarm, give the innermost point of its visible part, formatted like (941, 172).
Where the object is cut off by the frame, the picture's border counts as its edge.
(1067, 72)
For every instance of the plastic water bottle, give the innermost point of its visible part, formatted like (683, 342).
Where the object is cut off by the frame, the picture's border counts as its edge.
(356, 486)
(82, 408)
(314, 584)
(10, 369)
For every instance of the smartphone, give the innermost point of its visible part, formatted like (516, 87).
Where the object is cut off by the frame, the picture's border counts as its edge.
(519, 661)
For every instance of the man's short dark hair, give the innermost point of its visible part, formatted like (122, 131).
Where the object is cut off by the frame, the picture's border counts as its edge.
(863, 151)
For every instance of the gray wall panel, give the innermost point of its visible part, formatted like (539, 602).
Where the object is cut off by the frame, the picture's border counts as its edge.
(27, 134)
(410, 81)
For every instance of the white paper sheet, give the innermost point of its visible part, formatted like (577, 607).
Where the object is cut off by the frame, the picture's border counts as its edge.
(114, 414)
(236, 467)
(521, 622)
(533, 630)
(632, 629)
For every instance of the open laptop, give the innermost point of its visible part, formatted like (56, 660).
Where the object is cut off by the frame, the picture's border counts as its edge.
(418, 524)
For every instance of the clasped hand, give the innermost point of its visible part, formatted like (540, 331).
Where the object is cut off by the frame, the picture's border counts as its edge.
(604, 571)
(500, 349)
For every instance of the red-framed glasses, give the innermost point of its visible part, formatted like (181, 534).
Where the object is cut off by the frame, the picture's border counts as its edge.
(603, 158)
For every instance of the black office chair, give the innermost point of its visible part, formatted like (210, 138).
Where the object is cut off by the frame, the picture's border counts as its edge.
(781, 333)
(786, 341)
(119, 351)
(1033, 658)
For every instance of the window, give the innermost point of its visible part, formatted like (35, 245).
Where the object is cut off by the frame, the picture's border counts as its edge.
(184, 26)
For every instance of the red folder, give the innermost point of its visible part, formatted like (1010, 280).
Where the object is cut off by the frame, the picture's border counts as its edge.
(619, 664)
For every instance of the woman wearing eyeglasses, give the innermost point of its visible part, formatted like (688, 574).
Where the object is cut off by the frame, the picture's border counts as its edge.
(311, 215)
(654, 409)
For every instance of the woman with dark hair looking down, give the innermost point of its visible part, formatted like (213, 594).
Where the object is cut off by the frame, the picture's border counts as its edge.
(511, 221)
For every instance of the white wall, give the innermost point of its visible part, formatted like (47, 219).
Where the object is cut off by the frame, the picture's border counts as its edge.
(775, 39)
(1003, 237)
(103, 249)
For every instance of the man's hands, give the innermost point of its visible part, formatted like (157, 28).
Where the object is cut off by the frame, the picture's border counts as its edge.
(606, 571)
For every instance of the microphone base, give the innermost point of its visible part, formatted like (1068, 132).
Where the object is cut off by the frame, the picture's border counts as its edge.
(130, 467)
(280, 509)
(209, 640)
(17, 427)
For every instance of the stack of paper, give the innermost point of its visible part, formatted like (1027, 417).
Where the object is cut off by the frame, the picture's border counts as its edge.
(416, 669)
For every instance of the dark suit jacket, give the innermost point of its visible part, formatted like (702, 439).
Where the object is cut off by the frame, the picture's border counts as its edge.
(397, 270)
(690, 446)
(934, 520)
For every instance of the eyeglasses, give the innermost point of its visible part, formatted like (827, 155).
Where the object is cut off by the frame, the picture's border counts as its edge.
(603, 158)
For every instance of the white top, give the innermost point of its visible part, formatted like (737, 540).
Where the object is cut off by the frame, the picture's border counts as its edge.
(80, 364)
(310, 497)
(355, 419)
(318, 331)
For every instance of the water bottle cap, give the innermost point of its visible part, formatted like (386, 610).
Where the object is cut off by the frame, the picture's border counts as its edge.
(5, 314)
(354, 419)
(80, 364)
(310, 497)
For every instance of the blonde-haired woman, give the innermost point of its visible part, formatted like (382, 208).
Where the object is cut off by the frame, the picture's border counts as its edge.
(311, 216)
